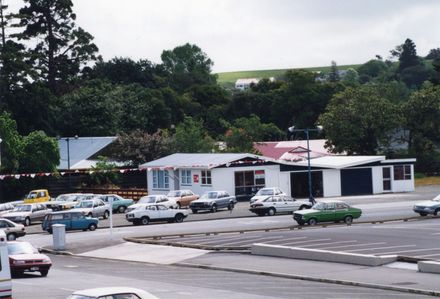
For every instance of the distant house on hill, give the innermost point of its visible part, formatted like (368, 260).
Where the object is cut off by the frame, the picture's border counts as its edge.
(293, 151)
(244, 84)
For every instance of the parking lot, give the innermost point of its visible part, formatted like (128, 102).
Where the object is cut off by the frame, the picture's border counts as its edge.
(415, 239)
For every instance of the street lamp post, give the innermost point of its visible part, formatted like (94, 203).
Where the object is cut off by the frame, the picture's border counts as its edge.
(292, 129)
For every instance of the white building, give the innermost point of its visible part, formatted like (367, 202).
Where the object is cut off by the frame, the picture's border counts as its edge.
(243, 174)
(244, 84)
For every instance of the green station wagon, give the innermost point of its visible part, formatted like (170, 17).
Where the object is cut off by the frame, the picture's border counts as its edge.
(327, 211)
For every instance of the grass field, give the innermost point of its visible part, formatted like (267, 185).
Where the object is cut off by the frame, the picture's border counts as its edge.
(230, 77)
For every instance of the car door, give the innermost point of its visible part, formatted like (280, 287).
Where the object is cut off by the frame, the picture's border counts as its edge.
(100, 207)
(185, 198)
(36, 212)
(341, 211)
(328, 214)
(287, 203)
(164, 212)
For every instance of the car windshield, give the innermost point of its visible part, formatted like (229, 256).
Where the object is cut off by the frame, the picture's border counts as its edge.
(21, 248)
(319, 206)
(22, 208)
(210, 195)
(148, 199)
(265, 192)
(85, 204)
(174, 194)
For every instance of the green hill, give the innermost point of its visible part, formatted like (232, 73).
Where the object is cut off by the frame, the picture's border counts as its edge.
(229, 78)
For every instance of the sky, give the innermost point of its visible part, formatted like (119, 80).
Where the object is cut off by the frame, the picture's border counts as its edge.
(260, 34)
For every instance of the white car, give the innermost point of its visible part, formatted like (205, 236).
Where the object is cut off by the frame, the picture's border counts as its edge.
(93, 208)
(153, 199)
(266, 192)
(143, 215)
(278, 204)
(112, 292)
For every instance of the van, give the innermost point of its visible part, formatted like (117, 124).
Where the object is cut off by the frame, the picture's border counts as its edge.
(5, 270)
(71, 219)
(39, 195)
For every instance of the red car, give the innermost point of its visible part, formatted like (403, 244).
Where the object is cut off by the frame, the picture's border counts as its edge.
(23, 257)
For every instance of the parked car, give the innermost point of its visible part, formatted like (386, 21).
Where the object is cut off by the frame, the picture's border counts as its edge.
(27, 213)
(56, 204)
(5, 208)
(212, 201)
(327, 211)
(12, 229)
(144, 214)
(71, 219)
(278, 204)
(94, 207)
(72, 199)
(23, 257)
(39, 195)
(112, 293)
(153, 199)
(119, 204)
(428, 207)
(265, 192)
(182, 197)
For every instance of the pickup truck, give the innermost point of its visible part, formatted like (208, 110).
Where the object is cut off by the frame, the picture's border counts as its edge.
(144, 214)
(39, 195)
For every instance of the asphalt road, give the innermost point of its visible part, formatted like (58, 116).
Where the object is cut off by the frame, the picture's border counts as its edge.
(72, 273)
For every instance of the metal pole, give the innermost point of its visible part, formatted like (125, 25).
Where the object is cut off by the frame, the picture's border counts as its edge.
(311, 199)
(68, 161)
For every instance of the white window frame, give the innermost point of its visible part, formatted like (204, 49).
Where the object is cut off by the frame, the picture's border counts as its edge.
(206, 178)
(161, 184)
(185, 177)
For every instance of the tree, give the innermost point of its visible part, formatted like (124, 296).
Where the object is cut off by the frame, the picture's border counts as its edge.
(103, 173)
(433, 54)
(40, 153)
(11, 144)
(372, 69)
(333, 75)
(191, 137)
(408, 56)
(351, 78)
(139, 147)
(359, 121)
(186, 66)
(61, 49)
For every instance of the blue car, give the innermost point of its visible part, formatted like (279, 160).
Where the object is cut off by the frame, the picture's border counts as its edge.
(71, 219)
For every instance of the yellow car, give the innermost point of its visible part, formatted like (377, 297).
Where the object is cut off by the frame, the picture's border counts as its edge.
(40, 195)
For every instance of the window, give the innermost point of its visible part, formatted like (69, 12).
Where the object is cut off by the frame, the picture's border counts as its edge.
(402, 172)
(206, 177)
(161, 179)
(185, 177)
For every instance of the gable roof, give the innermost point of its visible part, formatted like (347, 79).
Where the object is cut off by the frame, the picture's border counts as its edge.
(338, 162)
(80, 150)
(200, 160)
(288, 150)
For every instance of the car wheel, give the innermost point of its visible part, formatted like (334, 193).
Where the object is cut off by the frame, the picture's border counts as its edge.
(214, 208)
(11, 237)
(423, 214)
(106, 214)
(230, 206)
(348, 219)
(312, 221)
(27, 221)
(179, 218)
(436, 212)
(44, 273)
(122, 209)
(92, 227)
(271, 212)
(145, 220)
(194, 211)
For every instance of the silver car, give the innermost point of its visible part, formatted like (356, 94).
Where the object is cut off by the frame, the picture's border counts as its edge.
(28, 213)
(94, 207)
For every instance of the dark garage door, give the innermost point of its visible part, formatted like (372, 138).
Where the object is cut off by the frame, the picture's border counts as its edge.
(356, 181)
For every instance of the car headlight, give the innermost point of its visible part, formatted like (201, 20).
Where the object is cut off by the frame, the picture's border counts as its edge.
(18, 262)
(47, 261)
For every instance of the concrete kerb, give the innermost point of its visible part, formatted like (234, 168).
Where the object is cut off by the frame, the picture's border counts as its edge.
(321, 255)
(429, 267)
(316, 279)
(55, 252)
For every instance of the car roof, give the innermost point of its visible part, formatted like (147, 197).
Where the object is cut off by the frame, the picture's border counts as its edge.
(97, 292)
(331, 200)
(65, 212)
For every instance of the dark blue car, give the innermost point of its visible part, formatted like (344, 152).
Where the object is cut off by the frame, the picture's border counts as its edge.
(71, 219)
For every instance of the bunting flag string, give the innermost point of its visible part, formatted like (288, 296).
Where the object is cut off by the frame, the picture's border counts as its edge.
(64, 173)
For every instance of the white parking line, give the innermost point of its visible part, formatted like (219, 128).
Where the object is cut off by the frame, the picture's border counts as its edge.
(379, 248)
(240, 239)
(302, 242)
(429, 255)
(251, 241)
(357, 245)
(285, 239)
(330, 243)
(412, 250)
